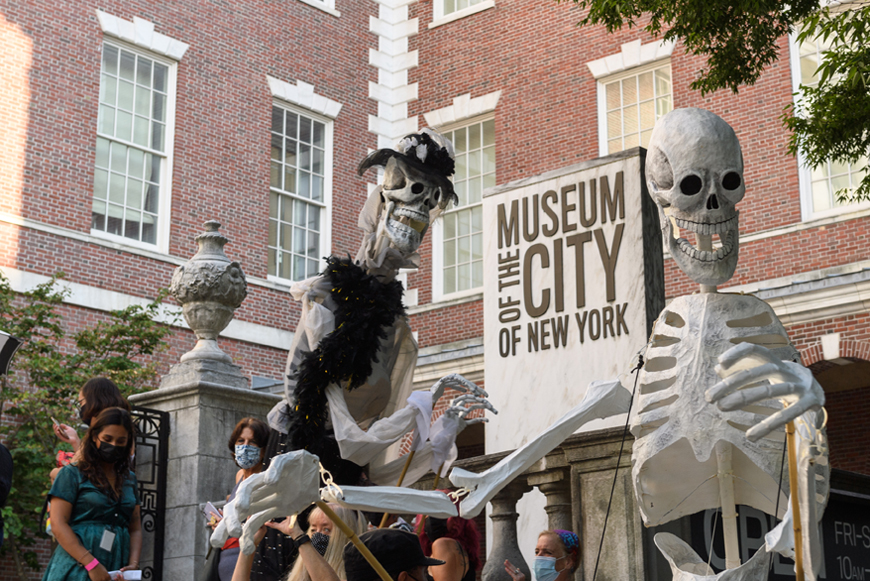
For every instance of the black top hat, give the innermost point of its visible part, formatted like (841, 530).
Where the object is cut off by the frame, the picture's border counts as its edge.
(396, 550)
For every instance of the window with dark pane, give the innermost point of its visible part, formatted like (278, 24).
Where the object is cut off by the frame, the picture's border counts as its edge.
(462, 246)
(297, 181)
(131, 144)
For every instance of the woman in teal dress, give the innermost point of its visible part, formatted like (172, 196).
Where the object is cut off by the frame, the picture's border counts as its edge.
(95, 506)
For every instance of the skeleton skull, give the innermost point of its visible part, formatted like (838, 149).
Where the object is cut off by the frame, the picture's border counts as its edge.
(694, 172)
(416, 186)
(409, 196)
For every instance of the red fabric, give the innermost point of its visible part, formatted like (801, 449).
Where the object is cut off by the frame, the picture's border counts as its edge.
(63, 458)
(231, 543)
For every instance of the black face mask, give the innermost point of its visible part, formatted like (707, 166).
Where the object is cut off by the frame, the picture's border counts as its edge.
(110, 453)
(320, 542)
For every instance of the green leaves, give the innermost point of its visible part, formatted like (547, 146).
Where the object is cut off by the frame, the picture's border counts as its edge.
(46, 374)
(831, 120)
(739, 39)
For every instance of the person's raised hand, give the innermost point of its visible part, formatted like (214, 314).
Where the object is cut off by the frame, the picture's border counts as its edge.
(513, 571)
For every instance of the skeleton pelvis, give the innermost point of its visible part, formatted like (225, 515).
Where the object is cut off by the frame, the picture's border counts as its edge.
(686, 565)
(676, 430)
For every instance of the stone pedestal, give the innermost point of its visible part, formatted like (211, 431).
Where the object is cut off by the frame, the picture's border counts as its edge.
(203, 413)
(504, 533)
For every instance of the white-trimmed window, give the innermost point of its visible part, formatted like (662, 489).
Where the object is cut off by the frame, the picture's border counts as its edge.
(630, 103)
(819, 185)
(300, 193)
(459, 234)
(134, 146)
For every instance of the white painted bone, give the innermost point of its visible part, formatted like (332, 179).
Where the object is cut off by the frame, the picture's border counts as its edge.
(391, 499)
(603, 399)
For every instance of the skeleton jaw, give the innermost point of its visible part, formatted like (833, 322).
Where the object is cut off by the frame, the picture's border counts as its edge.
(709, 267)
(405, 227)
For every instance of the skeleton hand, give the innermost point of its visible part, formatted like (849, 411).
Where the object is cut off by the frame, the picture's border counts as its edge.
(457, 382)
(463, 405)
(290, 484)
(752, 373)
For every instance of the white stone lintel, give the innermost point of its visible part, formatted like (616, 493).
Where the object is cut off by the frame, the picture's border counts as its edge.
(303, 94)
(463, 107)
(393, 31)
(631, 54)
(392, 96)
(141, 33)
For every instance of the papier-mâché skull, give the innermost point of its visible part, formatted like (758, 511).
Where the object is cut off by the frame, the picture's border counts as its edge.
(415, 186)
(694, 172)
(409, 195)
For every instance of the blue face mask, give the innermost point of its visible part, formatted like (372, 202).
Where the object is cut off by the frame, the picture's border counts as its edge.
(545, 569)
(247, 456)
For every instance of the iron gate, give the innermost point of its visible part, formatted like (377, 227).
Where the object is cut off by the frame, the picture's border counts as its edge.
(152, 449)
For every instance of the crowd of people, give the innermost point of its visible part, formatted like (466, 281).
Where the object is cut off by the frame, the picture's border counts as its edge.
(93, 509)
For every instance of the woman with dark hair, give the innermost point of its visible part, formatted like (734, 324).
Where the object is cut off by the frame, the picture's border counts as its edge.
(97, 394)
(456, 541)
(557, 556)
(95, 505)
(248, 445)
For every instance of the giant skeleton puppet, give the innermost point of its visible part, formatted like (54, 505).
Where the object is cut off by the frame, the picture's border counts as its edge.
(720, 381)
(350, 366)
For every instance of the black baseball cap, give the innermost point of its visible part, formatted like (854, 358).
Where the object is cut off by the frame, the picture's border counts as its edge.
(395, 550)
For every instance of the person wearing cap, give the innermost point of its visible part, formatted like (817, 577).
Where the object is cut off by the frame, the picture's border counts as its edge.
(398, 551)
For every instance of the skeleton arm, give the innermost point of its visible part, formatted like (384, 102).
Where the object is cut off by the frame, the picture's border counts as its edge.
(603, 399)
(751, 374)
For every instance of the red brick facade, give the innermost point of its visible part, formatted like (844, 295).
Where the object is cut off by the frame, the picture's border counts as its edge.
(546, 118)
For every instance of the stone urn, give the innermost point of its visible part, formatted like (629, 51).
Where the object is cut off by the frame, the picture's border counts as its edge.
(209, 287)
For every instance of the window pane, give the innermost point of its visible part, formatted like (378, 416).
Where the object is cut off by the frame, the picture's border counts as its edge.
(629, 120)
(313, 245)
(161, 72)
(108, 89)
(286, 236)
(647, 115)
(663, 81)
(143, 73)
(102, 152)
(449, 6)
(152, 193)
(474, 190)
(276, 147)
(313, 218)
(114, 219)
(821, 197)
(449, 252)
(149, 228)
(299, 236)
(305, 130)
(474, 137)
(140, 131)
(289, 179)
(304, 188)
(124, 126)
(489, 160)
(614, 124)
(317, 188)
(319, 135)
(155, 167)
(277, 120)
(477, 247)
(98, 215)
(286, 210)
(292, 124)
(158, 110)
(134, 194)
(461, 170)
(463, 219)
(128, 65)
(131, 225)
(119, 157)
(286, 265)
(489, 181)
(299, 212)
(449, 280)
(125, 95)
(273, 205)
(463, 277)
(101, 184)
(110, 59)
(298, 267)
(477, 219)
(290, 152)
(464, 249)
(273, 263)
(157, 136)
(304, 157)
(143, 101)
(106, 123)
(645, 86)
(459, 143)
(116, 188)
(317, 161)
(629, 91)
(612, 95)
(474, 163)
(450, 225)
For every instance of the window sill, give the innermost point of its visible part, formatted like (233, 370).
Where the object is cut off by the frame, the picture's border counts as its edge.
(485, 5)
(124, 241)
(321, 6)
(450, 301)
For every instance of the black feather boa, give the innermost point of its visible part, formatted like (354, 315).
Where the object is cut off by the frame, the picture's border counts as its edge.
(366, 307)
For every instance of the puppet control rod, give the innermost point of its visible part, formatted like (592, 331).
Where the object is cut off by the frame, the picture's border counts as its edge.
(379, 569)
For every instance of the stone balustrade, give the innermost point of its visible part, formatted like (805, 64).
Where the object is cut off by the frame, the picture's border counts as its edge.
(576, 479)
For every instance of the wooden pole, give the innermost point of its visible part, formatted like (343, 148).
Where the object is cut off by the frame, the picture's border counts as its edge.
(795, 502)
(401, 479)
(351, 534)
(438, 477)
(726, 501)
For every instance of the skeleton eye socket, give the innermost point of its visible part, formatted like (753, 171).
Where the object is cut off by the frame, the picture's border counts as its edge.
(417, 188)
(691, 185)
(731, 181)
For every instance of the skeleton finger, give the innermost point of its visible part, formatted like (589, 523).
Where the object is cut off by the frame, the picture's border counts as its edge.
(473, 421)
(456, 381)
(780, 419)
(755, 394)
(743, 378)
(251, 527)
(481, 406)
(745, 356)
